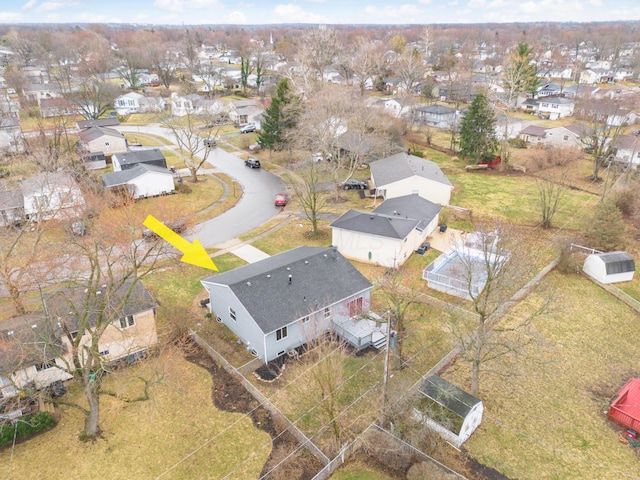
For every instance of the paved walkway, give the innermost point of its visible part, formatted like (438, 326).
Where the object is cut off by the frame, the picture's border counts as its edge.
(249, 253)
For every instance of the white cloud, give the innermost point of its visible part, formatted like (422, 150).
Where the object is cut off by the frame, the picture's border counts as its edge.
(29, 4)
(203, 4)
(57, 5)
(477, 4)
(295, 14)
(237, 18)
(403, 11)
(171, 5)
(424, 2)
(10, 17)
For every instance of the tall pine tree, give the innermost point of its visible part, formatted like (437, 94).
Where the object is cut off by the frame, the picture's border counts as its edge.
(280, 118)
(477, 131)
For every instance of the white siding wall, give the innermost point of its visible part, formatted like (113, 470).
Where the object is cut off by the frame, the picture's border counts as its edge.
(151, 184)
(435, 192)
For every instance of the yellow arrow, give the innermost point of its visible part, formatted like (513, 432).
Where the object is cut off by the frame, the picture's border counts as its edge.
(192, 253)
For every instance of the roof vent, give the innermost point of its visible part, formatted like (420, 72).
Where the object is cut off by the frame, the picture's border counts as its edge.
(248, 284)
(288, 269)
(268, 276)
(306, 262)
(290, 279)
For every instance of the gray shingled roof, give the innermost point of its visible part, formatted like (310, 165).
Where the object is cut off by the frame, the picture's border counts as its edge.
(112, 179)
(10, 197)
(319, 277)
(617, 262)
(448, 395)
(376, 224)
(400, 166)
(99, 122)
(151, 156)
(437, 109)
(47, 179)
(91, 133)
(394, 218)
(534, 130)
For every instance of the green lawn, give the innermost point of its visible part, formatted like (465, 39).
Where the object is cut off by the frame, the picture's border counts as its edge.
(545, 419)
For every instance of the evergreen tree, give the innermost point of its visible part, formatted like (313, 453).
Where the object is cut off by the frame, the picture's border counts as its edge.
(520, 74)
(477, 130)
(606, 228)
(280, 118)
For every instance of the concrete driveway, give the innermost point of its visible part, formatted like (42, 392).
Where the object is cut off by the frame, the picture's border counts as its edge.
(257, 186)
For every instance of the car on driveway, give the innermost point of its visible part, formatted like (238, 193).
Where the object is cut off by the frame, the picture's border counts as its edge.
(353, 184)
(209, 142)
(252, 162)
(248, 128)
(281, 199)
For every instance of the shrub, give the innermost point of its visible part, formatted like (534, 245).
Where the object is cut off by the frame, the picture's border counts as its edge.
(606, 229)
(25, 427)
(517, 143)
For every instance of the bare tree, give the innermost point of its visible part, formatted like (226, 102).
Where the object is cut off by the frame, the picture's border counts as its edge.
(310, 196)
(602, 120)
(490, 265)
(186, 133)
(322, 47)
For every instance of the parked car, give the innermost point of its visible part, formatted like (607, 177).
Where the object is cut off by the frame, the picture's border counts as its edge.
(209, 142)
(422, 249)
(353, 184)
(248, 128)
(320, 157)
(252, 162)
(281, 199)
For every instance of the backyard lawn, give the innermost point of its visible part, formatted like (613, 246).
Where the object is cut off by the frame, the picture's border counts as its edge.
(545, 418)
(176, 434)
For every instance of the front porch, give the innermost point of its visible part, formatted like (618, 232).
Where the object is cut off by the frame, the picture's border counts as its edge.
(360, 332)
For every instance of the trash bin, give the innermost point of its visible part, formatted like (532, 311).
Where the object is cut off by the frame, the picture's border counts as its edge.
(443, 228)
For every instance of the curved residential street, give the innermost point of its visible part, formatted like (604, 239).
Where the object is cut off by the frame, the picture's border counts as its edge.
(257, 186)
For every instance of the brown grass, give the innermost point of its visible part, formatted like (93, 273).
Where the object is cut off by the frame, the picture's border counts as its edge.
(147, 439)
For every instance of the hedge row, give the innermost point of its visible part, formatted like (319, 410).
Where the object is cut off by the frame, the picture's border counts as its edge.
(25, 426)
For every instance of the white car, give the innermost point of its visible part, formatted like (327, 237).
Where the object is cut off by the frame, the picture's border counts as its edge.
(248, 128)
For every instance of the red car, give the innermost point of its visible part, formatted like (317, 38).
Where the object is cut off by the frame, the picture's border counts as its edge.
(281, 199)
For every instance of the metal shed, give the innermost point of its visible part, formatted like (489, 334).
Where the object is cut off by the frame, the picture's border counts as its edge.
(610, 267)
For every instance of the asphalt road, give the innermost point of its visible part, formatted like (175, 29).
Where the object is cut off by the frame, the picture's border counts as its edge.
(257, 186)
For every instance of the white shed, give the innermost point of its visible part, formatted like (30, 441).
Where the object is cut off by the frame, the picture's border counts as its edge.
(449, 410)
(610, 267)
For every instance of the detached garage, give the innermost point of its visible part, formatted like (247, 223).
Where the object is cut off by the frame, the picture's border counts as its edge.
(610, 267)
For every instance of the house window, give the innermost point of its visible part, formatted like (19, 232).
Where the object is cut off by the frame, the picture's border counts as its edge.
(45, 365)
(355, 307)
(281, 333)
(106, 144)
(104, 353)
(232, 314)
(565, 138)
(327, 312)
(126, 322)
(306, 319)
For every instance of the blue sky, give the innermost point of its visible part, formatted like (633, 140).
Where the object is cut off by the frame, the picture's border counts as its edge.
(179, 12)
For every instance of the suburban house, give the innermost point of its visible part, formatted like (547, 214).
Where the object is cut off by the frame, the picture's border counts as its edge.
(140, 181)
(625, 408)
(11, 139)
(35, 348)
(555, 107)
(47, 195)
(387, 235)
(436, 116)
(102, 139)
(508, 126)
(11, 204)
(447, 409)
(280, 303)
(610, 267)
(569, 135)
(626, 149)
(401, 174)
(38, 91)
(196, 105)
(533, 134)
(548, 89)
(398, 107)
(98, 122)
(133, 102)
(124, 161)
(243, 112)
(57, 107)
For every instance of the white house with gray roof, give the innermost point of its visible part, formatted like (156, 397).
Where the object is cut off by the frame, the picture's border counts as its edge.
(49, 195)
(402, 174)
(387, 235)
(141, 181)
(151, 156)
(279, 303)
